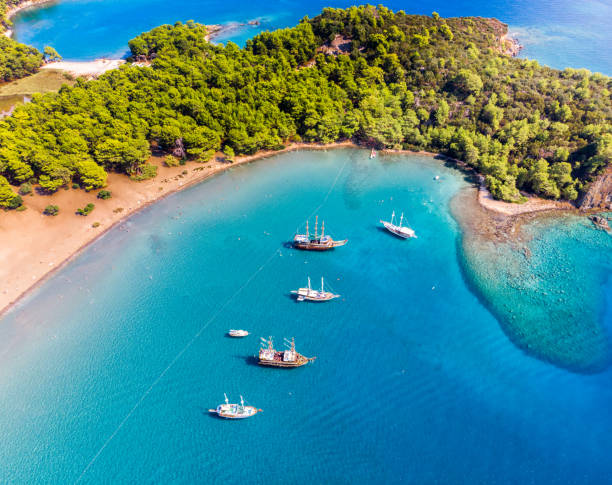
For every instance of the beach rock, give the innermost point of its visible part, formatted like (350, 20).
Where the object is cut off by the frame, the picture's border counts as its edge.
(599, 195)
(179, 149)
(600, 222)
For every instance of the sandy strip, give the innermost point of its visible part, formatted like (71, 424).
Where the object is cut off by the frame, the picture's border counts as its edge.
(85, 68)
(11, 12)
(533, 204)
(34, 245)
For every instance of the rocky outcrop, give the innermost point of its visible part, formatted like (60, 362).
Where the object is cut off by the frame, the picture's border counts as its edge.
(599, 195)
(340, 45)
(507, 44)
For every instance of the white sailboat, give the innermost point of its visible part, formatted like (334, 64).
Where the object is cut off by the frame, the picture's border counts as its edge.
(234, 411)
(314, 295)
(399, 230)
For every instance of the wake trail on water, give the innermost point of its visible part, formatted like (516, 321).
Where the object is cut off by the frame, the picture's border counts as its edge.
(197, 335)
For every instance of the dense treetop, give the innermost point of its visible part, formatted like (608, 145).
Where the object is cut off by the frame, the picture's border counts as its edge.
(378, 77)
(16, 60)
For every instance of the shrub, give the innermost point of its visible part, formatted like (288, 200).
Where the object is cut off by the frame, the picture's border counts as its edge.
(21, 208)
(15, 203)
(228, 151)
(25, 188)
(85, 211)
(76, 186)
(95, 224)
(104, 194)
(51, 210)
(171, 161)
(147, 171)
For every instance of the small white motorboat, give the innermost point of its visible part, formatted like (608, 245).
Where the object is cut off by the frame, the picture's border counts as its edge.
(238, 333)
(400, 231)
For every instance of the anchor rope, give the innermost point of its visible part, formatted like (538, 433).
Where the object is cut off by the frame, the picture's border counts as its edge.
(333, 186)
(172, 363)
(196, 336)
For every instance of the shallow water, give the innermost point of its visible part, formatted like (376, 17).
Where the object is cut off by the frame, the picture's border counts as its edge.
(559, 33)
(548, 284)
(108, 370)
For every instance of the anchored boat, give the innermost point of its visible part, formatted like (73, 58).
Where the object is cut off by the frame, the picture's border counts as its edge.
(287, 358)
(314, 295)
(238, 333)
(234, 411)
(400, 231)
(318, 242)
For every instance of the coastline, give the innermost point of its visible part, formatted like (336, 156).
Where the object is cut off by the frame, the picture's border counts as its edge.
(11, 12)
(42, 245)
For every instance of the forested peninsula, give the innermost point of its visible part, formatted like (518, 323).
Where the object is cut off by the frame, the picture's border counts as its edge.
(367, 74)
(16, 60)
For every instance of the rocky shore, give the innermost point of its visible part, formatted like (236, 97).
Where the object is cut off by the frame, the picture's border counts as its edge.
(599, 194)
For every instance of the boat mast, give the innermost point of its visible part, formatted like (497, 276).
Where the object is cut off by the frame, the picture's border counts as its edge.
(226, 399)
(392, 217)
(401, 219)
(316, 225)
(306, 228)
(241, 402)
(322, 289)
(309, 283)
(322, 229)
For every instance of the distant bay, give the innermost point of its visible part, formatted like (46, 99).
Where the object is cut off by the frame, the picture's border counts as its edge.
(558, 33)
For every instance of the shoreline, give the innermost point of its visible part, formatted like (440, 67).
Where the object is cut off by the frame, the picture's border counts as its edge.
(38, 239)
(68, 242)
(11, 12)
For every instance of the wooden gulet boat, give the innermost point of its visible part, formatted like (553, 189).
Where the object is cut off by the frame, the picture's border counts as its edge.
(399, 230)
(318, 242)
(289, 358)
(310, 294)
(234, 411)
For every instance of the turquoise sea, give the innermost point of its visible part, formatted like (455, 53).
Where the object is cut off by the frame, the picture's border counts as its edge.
(108, 370)
(448, 359)
(559, 33)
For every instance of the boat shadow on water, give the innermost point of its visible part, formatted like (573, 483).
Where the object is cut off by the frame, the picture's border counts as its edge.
(251, 360)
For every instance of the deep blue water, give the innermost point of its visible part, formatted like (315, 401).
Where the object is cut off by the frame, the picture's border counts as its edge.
(107, 371)
(559, 33)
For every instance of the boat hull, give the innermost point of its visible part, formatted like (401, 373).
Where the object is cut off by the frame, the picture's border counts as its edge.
(286, 365)
(238, 334)
(396, 232)
(318, 246)
(252, 412)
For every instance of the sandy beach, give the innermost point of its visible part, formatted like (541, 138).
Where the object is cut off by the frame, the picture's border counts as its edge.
(85, 68)
(35, 245)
